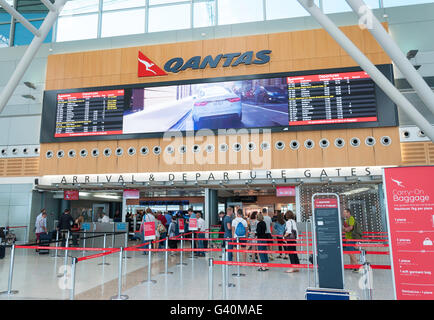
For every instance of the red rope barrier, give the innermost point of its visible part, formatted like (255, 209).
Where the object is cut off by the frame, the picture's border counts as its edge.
(94, 256)
(174, 250)
(63, 248)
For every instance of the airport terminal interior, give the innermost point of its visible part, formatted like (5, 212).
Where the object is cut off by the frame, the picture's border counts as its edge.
(133, 131)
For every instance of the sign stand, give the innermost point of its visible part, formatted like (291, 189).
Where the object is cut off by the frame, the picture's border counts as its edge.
(327, 241)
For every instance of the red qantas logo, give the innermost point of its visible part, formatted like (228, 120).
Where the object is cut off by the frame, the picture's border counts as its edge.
(147, 68)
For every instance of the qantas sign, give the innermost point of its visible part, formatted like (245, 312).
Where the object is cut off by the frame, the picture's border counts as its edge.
(147, 68)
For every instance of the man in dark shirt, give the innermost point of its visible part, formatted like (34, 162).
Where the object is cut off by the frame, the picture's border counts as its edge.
(65, 224)
(227, 224)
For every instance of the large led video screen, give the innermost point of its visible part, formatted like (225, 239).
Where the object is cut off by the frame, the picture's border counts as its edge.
(323, 99)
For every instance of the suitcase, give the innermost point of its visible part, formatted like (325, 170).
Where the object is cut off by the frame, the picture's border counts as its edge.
(44, 240)
(2, 251)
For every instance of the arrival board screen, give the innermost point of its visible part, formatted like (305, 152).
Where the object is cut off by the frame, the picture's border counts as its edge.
(89, 113)
(308, 100)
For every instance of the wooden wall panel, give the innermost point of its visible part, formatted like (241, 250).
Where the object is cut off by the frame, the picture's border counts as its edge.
(68, 165)
(387, 155)
(48, 166)
(334, 156)
(149, 162)
(106, 164)
(362, 155)
(127, 162)
(286, 158)
(291, 51)
(309, 158)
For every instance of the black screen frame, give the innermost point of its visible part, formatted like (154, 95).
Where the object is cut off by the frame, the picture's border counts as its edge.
(387, 112)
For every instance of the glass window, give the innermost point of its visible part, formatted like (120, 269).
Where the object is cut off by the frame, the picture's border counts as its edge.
(5, 17)
(24, 37)
(333, 6)
(169, 18)
(122, 4)
(240, 11)
(119, 23)
(397, 3)
(4, 35)
(77, 27)
(80, 6)
(152, 2)
(283, 9)
(204, 14)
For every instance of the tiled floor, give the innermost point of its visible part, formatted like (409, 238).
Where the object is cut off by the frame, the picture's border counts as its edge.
(36, 277)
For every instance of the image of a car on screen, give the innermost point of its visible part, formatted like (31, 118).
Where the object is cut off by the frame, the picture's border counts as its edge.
(270, 94)
(216, 103)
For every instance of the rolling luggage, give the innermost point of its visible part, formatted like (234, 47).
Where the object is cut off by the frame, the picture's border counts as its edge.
(44, 240)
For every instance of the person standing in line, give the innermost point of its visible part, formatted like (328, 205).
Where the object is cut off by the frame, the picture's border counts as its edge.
(261, 234)
(65, 224)
(268, 222)
(253, 222)
(279, 231)
(227, 223)
(162, 229)
(41, 225)
(291, 235)
(239, 230)
(148, 217)
(200, 235)
(349, 229)
(117, 217)
(173, 244)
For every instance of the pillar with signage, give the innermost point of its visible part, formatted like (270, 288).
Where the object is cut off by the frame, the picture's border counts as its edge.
(410, 213)
(128, 194)
(328, 240)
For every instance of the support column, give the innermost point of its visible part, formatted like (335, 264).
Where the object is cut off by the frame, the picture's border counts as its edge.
(211, 207)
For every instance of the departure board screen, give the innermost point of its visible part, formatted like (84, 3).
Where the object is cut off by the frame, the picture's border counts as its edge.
(291, 101)
(332, 99)
(89, 113)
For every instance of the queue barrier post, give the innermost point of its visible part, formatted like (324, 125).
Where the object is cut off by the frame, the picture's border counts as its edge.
(192, 246)
(11, 292)
(72, 292)
(238, 274)
(149, 280)
(180, 256)
(367, 276)
(227, 266)
(210, 278)
(57, 243)
(84, 241)
(66, 251)
(126, 245)
(166, 257)
(120, 296)
(103, 257)
(224, 280)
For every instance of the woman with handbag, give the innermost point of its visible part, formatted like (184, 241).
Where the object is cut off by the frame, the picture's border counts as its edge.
(291, 238)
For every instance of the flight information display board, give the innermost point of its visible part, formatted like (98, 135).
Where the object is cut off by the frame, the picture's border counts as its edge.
(89, 113)
(291, 101)
(332, 99)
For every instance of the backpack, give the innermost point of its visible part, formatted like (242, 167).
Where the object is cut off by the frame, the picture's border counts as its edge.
(357, 231)
(240, 231)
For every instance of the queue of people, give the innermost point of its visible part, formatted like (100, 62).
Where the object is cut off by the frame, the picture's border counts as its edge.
(261, 226)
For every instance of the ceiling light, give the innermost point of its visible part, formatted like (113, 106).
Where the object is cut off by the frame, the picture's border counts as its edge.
(411, 54)
(28, 96)
(30, 85)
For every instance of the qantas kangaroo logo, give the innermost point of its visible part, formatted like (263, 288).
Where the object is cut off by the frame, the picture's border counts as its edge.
(147, 68)
(399, 183)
